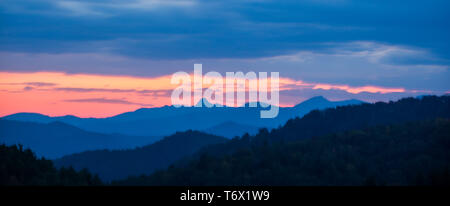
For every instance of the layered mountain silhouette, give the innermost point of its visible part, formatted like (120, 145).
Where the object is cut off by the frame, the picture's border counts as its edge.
(119, 164)
(315, 124)
(55, 139)
(231, 129)
(322, 122)
(167, 120)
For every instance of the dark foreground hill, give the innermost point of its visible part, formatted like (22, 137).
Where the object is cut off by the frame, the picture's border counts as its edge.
(22, 167)
(117, 164)
(407, 154)
(323, 122)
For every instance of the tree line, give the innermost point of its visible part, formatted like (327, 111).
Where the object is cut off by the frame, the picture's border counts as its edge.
(19, 166)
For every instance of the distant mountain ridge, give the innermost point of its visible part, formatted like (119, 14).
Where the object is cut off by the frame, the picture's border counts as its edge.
(55, 139)
(167, 120)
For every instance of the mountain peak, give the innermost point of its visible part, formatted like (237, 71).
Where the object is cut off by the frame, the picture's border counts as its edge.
(314, 100)
(318, 98)
(204, 102)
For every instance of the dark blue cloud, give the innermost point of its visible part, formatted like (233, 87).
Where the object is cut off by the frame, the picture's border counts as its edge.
(205, 29)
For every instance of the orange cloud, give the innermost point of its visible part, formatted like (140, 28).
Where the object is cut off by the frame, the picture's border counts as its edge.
(357, 90)
(84, 95)
(89, 95)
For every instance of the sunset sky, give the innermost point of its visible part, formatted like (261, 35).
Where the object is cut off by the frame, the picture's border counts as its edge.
(100, 58)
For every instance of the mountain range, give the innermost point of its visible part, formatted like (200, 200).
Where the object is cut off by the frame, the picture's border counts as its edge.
(115, 164)
(54, 137)
(166, 120)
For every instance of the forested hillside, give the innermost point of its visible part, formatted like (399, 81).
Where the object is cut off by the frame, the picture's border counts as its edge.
(407, 154)
(323, 122)
(22, 167)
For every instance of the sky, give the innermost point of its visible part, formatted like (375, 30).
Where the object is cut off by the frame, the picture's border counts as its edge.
(99, 58)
